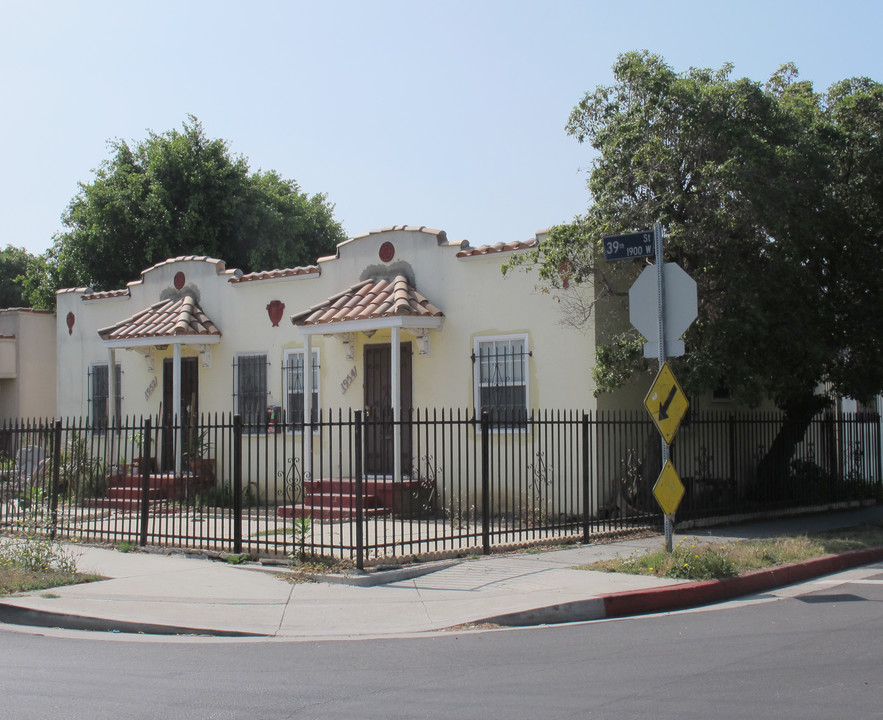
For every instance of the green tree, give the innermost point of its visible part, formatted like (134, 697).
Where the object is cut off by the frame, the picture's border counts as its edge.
(14, 263)
(771, 196)
(181, 193)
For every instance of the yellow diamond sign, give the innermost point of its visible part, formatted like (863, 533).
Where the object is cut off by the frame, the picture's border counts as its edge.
(666, 403)
(668, 490)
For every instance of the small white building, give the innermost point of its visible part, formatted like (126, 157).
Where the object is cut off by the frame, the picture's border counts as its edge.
(398, 318)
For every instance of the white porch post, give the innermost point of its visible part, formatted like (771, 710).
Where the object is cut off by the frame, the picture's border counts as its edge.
(396, 400)
(176, 405)
(308, 407)
(112, 390)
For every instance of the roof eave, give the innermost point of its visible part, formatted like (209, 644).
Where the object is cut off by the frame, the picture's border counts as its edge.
(407, 322)
(165, 340)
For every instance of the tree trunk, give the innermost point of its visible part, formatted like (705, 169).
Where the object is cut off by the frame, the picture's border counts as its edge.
(774, 469)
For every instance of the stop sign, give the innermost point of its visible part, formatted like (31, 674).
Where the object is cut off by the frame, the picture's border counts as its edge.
(680, 301)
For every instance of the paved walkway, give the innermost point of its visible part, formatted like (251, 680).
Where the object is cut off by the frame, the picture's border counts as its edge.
(155, 593)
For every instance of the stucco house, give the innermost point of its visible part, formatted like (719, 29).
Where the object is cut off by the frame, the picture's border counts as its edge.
(400, 312)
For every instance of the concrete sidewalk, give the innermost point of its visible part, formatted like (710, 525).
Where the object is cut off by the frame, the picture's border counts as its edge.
(176, 595)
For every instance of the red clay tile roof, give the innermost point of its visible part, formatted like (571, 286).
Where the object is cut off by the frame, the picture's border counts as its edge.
(164, 319)
(368, 300)
(272, 274)
(105, 294)
(497, 248)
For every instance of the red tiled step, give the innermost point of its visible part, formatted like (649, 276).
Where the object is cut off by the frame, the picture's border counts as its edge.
(134, 493)
(317, 512)
(342, 500)
(106, 503)
(153, 481)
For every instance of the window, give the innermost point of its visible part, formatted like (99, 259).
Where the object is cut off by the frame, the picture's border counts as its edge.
(294, 388)
(501, 378)
(251, 391)
(99, 391)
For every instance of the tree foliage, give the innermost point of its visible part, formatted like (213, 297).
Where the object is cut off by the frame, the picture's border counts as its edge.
(182, 193)
(14, 263)
(772, 199)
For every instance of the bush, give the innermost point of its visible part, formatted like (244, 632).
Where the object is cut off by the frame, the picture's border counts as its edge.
(34, 550)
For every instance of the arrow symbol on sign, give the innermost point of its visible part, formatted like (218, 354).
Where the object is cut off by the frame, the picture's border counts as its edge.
(663, 407)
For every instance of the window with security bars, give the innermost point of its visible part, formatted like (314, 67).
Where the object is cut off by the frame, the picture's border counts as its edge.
(294, 388)
(251, 391)
(99, 392)
(501, 375)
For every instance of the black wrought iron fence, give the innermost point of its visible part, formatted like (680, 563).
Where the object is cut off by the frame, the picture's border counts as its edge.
(460, 483)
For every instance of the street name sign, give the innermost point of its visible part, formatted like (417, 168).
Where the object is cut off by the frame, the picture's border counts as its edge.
(629, 246)
(667, 403)
(668, 490)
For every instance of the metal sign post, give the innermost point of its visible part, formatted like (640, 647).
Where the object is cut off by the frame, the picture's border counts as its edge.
(660, 313)
(675, 309)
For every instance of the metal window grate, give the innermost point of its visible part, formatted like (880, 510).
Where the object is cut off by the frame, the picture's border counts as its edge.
(250, 390)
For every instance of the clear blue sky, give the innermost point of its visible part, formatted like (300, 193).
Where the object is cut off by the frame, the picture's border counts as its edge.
(446, 114)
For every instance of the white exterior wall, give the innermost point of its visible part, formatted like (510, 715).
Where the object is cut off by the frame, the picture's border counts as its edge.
(27, 387)
(473, 294)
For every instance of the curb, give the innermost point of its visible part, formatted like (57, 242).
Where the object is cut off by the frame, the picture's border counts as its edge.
(681, 597)
(382, 575)
(15, 615)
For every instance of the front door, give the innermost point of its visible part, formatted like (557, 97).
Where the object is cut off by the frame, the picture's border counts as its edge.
(189, 406)
(379, 427)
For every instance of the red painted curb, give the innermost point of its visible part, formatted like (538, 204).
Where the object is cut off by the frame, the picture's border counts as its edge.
(679, 597)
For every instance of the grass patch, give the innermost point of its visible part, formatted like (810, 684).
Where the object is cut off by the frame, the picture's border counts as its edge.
(696, 559)
(15, 580)
(34, 561)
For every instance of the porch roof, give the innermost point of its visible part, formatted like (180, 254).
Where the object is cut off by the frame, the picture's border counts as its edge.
(371, 304)
(172, 321)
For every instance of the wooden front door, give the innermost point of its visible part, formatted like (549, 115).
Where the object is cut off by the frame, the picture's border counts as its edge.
(189, 406)
(379, 426)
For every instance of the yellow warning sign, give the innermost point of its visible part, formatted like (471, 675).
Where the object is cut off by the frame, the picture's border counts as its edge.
(668, 490)
(666, 403)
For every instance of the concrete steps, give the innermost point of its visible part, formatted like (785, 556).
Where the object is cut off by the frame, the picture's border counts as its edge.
(335, 498)
(124, 491)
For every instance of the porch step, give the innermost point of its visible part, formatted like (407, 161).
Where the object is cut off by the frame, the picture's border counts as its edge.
(134, 493)
(155, 481)
(132, 505)
(339, 500)
(322, 512)
(386, 492)
(335, 498)
(124, 491)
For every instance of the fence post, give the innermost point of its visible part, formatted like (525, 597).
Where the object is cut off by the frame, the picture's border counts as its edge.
(56, 473)
(586, 503)
(237, 484)
(360, 535)
(146, 433)
(879, 443)
(485, 484)
(731, 440)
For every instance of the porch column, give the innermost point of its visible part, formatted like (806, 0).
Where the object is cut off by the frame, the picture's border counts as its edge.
(308, 407)
(177, 418)
(395, 387)
(112, 390)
